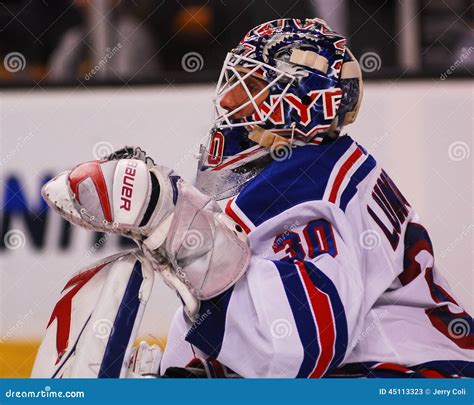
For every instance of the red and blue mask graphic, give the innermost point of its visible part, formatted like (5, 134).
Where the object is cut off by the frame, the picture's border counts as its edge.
(292, 77)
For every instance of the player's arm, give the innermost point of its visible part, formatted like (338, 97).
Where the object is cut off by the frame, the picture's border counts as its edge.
(293, 317)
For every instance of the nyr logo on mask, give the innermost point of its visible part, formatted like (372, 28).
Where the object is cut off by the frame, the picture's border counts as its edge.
(318, 105)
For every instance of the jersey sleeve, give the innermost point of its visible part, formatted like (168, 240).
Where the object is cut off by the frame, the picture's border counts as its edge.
(297, 309)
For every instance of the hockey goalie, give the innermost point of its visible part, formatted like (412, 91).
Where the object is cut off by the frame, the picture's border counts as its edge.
(294, 254)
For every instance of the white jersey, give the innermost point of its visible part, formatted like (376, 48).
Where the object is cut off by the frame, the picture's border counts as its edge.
(342, 280)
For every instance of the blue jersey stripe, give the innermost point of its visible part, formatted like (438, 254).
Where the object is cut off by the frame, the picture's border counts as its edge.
(285, 184)
(207, 333)
(301, 309)
(323, 282)
(360, 174)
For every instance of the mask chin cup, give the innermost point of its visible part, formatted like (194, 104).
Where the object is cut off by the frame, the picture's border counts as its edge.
(228, 181)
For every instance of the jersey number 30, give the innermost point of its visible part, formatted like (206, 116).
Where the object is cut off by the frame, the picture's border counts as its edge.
(317, 235)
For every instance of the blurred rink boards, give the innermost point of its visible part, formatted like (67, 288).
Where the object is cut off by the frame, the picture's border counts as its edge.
(421, 131)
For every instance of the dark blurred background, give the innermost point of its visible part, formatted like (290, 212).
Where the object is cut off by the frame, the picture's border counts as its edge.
(65, 42)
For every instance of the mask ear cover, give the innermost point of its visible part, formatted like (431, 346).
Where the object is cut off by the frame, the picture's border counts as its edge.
(353, 87)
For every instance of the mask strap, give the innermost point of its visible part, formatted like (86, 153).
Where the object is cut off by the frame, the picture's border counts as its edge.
(266, 138)
(293, 126)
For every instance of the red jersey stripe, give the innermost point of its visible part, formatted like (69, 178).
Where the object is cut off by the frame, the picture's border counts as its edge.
(342, 173)
(230, 212)
(324, 320)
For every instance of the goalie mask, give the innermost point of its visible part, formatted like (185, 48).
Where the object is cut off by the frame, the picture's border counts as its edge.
(296, 82)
